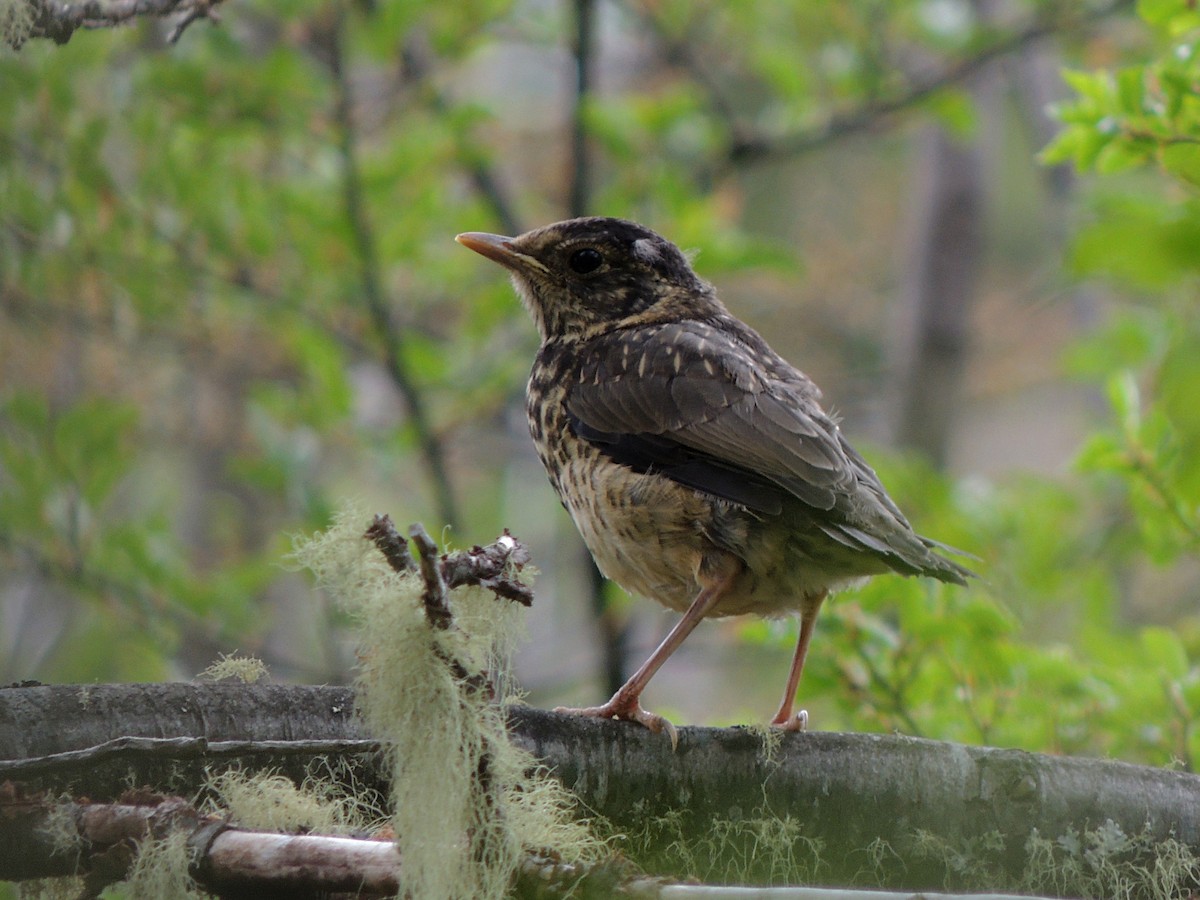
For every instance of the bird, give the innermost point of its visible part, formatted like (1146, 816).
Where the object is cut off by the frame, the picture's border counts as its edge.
(698, 465)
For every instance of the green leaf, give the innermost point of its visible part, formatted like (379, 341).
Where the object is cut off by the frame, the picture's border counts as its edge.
(1079, 144)
(1097, 87)
(1126, 401)
(1102, 453)
(1118, 156)
(1164, 651)
(1160, 12)
(1130, 339)
(1131, 90)
(93, 440)
(1141, 241)
(1174, 17)
(956, 111)
(1183, 161)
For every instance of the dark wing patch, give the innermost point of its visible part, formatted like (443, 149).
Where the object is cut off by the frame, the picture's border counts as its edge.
(648, 452)
(682, 398)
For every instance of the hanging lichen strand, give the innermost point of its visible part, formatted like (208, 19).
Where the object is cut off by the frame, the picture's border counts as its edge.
(467, 804)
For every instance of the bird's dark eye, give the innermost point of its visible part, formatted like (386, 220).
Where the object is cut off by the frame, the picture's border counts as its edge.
(585, 260)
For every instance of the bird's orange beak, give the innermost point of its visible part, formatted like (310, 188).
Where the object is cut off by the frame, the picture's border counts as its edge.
(495, 247)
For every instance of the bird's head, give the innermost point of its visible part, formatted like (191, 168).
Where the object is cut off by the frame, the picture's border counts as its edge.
(581, 275)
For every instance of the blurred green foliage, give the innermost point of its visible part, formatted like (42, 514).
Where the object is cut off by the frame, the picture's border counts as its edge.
(1046, 652)
(188, 334)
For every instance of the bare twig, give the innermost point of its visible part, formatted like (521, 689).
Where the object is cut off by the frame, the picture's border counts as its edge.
(201, 10)
(383, 535)
(58, 21)
(493, 567)
(681, 52)
(474, 685)
(436, 609)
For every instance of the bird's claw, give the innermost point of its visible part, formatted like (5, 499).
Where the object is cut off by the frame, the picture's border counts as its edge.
(797, 722)
(628, 711)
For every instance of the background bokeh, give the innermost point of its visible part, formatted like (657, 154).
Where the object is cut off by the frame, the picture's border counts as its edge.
(231, 303)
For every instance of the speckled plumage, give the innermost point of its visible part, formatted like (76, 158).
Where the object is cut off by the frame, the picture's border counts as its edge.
(690, 455)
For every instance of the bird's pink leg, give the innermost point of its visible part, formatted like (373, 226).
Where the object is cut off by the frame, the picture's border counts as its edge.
(625, 703)
(808, 619)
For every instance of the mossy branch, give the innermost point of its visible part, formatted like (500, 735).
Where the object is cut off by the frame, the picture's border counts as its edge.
(21, 20)
(57, 838)
(849, 792)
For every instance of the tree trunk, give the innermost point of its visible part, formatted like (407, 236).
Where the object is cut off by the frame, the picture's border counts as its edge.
(939, 284)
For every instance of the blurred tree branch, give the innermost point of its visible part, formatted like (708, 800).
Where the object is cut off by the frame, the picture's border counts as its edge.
(387, 331)
(58, 21)
(755, 149)
(579, 199)
(146, 606)
(745, 147)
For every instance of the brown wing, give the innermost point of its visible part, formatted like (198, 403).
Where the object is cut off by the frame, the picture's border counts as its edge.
(732, 418)
(706, 399)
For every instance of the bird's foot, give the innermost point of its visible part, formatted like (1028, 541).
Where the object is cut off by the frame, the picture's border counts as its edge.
(627, 709)
(797, 722)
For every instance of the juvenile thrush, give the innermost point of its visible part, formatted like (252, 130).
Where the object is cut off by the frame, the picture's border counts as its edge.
(697, 463)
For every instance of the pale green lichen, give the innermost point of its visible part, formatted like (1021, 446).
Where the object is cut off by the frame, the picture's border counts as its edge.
(160, 870)
(266, 801)
(60, 827)
(1102, 863)
(51, 889)
(760, 849)
(16, 22)
(468, 805)
(1105, 862)
(770, 740)
(247, 669)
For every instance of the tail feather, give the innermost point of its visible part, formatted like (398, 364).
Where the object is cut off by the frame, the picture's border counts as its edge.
(945, 569)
